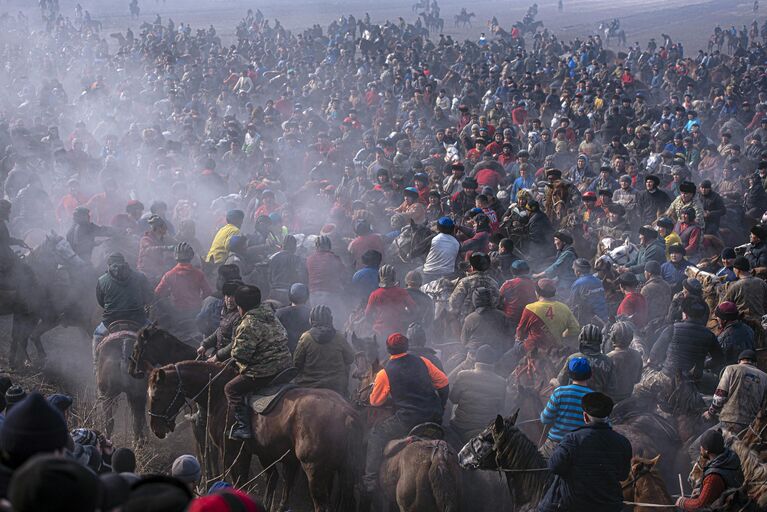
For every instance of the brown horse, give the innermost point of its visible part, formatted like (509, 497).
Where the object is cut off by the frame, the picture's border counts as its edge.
(315, 428)
(156, 347)
(112, 378)
(421, 475)
(645, 485)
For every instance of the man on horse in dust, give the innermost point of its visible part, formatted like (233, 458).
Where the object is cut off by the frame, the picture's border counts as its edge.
(260, 351)
(417, 389)
(123, 293)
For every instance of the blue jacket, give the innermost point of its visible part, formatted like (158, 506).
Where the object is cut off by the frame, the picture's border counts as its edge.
(588, 299)
(674, 274)
(562, 267)
(588, 465)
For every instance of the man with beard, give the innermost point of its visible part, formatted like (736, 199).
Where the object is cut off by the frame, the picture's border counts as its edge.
(651, 201)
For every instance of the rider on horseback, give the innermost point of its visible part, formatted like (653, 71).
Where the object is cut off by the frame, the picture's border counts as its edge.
(260, 350)
(418, 390)
(123, 294)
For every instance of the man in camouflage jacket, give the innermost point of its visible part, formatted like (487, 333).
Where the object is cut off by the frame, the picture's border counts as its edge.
(260, 351)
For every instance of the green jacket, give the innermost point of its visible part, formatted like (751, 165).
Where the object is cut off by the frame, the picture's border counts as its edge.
(323, 362)
(260, 344)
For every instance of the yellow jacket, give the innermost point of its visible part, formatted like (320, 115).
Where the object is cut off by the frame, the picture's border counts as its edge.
(219, 248)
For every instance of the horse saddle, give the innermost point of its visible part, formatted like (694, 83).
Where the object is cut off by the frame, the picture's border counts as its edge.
(432, 433)
(267, 398)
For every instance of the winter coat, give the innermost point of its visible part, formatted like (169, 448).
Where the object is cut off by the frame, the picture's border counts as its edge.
(684, 346)
(734, 339)
(478, 394)
(739, 394)
(123, 299)
(588, 465)
(323, 357)
(260, 344)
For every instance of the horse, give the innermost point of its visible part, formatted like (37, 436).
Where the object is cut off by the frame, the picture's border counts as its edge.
(314, 428)
(645, 485)
(463, 19)
(64, 295)
(613, 31)
(503, 447)
(111, 359)
(156, 347)
(412, 244)
(421, 475)
(433, 22)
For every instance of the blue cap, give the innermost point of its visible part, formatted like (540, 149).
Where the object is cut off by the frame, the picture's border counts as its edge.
(520, 265)
(476, 210)
(219, 486)
(445, 222)
(411, 190)
(579, 366)
(275, 217)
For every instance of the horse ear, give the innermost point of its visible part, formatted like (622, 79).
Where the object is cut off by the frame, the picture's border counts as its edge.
(654, 460)
(498, 425)
(513, 419)
(160, 376)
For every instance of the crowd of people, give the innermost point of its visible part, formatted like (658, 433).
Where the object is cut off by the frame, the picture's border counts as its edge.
(536, 203)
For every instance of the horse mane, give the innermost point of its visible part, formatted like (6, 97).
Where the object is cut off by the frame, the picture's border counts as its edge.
(754, 472)
(515, 451)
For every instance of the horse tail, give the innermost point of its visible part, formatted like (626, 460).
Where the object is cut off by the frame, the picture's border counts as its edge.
(444, 477)
(352, 470)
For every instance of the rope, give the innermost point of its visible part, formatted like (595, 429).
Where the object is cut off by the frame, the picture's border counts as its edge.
(267, 468)
(532, 470)
(650, 505)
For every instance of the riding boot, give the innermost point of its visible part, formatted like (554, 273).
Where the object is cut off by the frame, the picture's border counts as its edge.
(241, 427)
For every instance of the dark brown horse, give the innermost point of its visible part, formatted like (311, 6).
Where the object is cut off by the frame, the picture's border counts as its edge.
(112, 357)
(315, 428)
(156, 347)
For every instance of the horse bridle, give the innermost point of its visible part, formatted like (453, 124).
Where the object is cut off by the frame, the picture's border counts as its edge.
(170, 420)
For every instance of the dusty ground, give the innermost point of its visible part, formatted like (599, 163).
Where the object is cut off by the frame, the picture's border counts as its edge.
(69, 367)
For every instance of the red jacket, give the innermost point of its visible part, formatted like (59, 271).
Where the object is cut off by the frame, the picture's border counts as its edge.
(634, 305)
(517, 293)
(326, 272)
(186, 286)
(387, 308)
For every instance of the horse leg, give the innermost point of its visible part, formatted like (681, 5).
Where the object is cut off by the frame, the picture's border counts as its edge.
(289, 470)
(107, 409)
(272, 478)
(23, 324)
(320, 480)
(137, 404)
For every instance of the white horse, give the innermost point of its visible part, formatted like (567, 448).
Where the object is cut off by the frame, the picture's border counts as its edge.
(617, 252)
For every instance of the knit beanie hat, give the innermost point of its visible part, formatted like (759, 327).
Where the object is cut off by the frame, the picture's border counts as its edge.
(54, 484)
(123, 461)
(33, 426)
(187, 469)
(158, 493)
(14, 395)
(397, 343)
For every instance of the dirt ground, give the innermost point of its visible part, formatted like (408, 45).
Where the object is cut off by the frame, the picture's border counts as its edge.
(69, 367)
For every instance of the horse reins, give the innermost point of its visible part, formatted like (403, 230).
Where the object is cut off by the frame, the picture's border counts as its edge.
(169, 418)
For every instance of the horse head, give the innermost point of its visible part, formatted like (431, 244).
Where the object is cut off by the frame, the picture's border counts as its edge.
(165, 399)
(482, 450)
(137, 365)
(644, 483)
